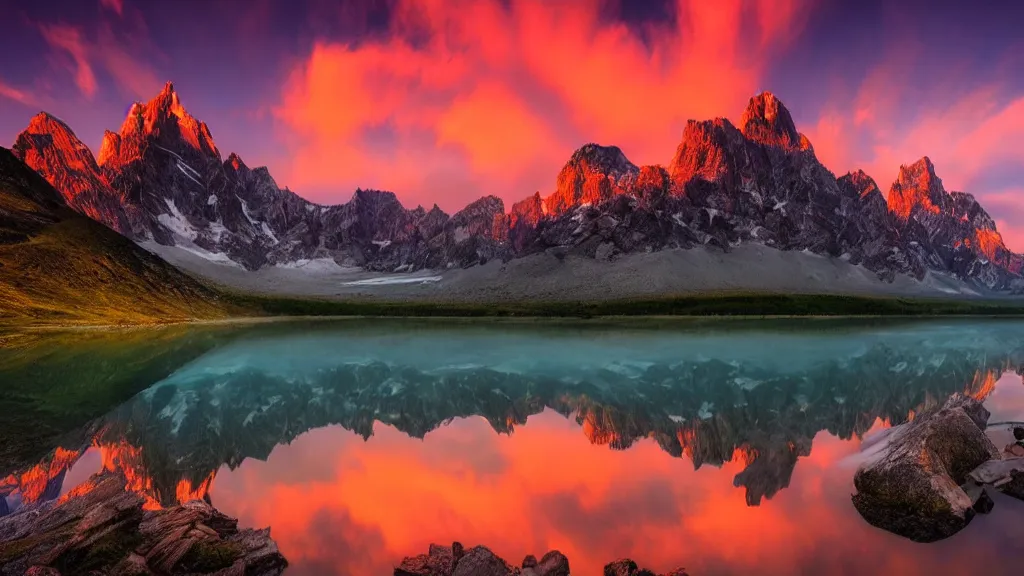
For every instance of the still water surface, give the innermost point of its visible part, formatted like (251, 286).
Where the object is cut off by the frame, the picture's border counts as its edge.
(724, 448)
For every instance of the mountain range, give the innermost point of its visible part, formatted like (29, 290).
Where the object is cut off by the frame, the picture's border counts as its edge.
(161, 179)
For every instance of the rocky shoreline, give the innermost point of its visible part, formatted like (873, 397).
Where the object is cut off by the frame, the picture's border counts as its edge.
(455, 560)
(102, 528)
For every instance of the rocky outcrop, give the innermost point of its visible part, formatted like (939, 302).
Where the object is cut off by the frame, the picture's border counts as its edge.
(911, 482)
(480, 561)
(101, 528)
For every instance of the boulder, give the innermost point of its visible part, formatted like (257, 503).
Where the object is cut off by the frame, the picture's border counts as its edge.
(554, 563)
(910, 484)
(480, 561)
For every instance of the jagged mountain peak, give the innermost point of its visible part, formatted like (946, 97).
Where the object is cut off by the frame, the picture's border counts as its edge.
(45, 132)
(917, 187)
(767, 121)
(46, 122)
(166, 120)
(490, 201)
(235, 163)
(860, 181)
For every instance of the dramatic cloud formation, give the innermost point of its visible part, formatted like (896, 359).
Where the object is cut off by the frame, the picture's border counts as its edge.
(480, 93)
(445, 101)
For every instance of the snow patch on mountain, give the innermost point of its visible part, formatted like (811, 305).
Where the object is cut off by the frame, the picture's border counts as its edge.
(176, 221)
(386, 280)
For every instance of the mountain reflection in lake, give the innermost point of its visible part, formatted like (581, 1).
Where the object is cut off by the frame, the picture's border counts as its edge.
(723, 448)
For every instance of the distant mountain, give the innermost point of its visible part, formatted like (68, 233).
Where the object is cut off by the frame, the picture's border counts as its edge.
(162, 179)
(57, 265)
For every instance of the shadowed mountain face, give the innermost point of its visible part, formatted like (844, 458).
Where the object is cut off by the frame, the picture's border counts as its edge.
(162, 179)
(757, 397)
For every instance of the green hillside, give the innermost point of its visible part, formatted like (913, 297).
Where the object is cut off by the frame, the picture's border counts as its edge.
(58, 266)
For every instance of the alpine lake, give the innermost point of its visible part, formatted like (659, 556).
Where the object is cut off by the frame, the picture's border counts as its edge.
(722, 446)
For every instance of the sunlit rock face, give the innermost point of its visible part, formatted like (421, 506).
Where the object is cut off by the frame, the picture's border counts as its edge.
(950, 230)
(50, 148)
(161, 178)
(710, 403)
(592, 176)
(767, 121)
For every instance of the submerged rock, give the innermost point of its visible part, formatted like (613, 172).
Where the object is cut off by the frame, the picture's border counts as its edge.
(101, 528)
(911, 483)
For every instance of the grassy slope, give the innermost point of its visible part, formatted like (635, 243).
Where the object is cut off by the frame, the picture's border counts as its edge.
(57, 266)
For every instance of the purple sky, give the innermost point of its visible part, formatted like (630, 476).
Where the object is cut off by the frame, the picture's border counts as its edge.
(446, 100)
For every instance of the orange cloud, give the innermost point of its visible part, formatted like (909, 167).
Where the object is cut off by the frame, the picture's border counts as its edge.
(507, 90)
(64, 38)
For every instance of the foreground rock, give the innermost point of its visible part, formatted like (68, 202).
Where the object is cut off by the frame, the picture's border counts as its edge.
(480, 561)
(911, 483)
(100, 528)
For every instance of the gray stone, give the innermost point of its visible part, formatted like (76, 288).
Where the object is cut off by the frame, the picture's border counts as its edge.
(911, 484)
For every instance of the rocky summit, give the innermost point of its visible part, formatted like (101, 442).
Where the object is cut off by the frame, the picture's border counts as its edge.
(162, 179)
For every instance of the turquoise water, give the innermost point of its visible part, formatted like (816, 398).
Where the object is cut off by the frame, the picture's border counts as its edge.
(727, 448)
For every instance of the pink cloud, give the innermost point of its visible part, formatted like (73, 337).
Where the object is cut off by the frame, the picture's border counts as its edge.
(115, 5)
(18, 95)
(115, 52)
(68, 39)
(484, 87)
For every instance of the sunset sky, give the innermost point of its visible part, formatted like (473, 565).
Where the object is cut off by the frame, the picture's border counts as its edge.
(445, 101)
